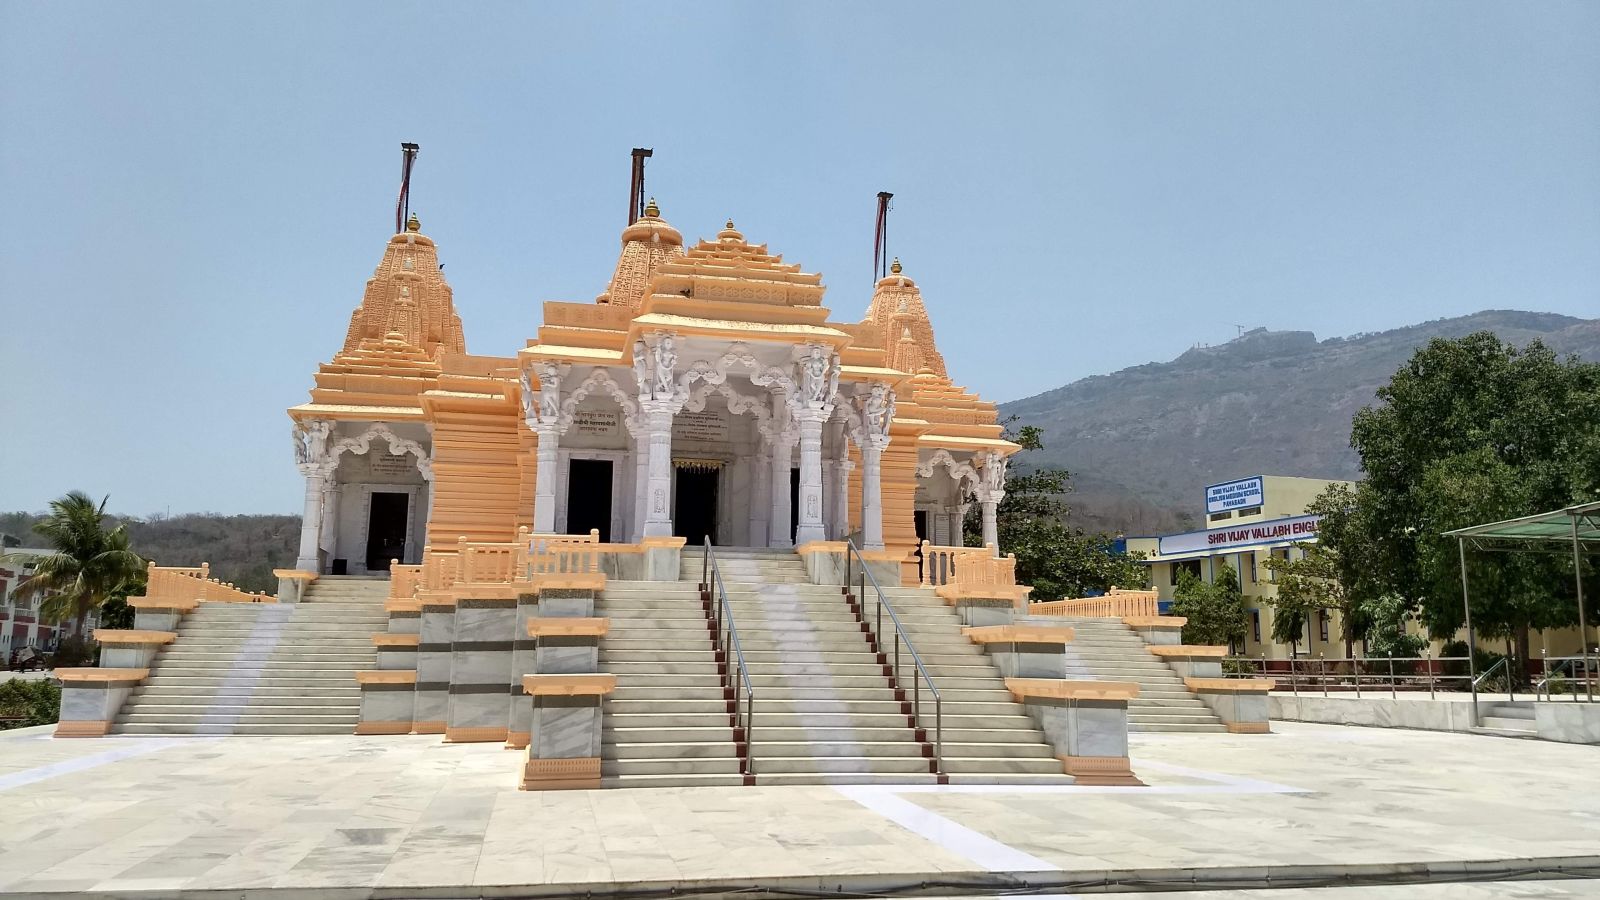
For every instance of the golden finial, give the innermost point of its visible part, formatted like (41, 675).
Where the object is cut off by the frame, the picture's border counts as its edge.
(729, 226)
(894, 267)
(651, 209)
(413, 224)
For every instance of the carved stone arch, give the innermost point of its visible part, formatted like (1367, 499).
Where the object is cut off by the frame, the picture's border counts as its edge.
(965, 475)
(600, 379)
(738, 403)
(381, 431)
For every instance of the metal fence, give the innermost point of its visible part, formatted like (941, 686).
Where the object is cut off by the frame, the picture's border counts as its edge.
(1375, 674)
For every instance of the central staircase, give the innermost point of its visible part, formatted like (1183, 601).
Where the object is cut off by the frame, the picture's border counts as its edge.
(826, 708)
(1106, 649)
(264, 668)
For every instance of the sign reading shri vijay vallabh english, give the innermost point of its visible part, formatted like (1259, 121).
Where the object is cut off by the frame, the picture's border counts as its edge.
(1230, 495)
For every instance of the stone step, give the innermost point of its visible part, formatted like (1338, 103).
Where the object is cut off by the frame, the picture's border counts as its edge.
(1509, 723)
(721, 731)
(645, 781)
(1171, 728)
(147, 711)
(180, 728)
(770, 719)
(165, 699)
(310, 716)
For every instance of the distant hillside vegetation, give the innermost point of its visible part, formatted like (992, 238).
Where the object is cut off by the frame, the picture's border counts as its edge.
(1142, 443)
(241, 549)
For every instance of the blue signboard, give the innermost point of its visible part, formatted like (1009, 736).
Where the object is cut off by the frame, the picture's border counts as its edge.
(1231, 495)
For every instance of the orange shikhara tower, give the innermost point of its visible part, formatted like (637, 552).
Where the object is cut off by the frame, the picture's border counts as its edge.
(708, 392)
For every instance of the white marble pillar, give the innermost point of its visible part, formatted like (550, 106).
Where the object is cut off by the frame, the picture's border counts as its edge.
(809, 528)
(760, 498)
(311, 519)
(958, 524)
(329, 539)
(872, 492)
(841, 496)
(778, 534)
(544, 485)
(658, 491)
(991, 528)
(641, 483)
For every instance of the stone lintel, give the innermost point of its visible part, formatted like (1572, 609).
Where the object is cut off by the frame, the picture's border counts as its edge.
(577, 774)
(481, 735)
(383, 728)
(823, 547)
(82, 729)
(593, 684)
(1070, 689)
(1188, 651)
(185, 605)
(295, 575)
(387, 676)
(101, 676)
(1099, 770)
(129, 636)
(1229, 685)
(553, 626)
(593, 582)
(1018, 634)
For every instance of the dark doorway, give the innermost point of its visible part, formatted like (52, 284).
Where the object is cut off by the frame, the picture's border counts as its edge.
(589, 497)
(694, 510)
(386, 530)
(794, 502)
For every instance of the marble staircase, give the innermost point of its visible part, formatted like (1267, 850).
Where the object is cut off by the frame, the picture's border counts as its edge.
(1509, 719)
(826, 708)
(1104, 648)
(248, 668)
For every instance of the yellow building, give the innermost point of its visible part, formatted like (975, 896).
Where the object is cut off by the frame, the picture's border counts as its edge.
(1248, 521)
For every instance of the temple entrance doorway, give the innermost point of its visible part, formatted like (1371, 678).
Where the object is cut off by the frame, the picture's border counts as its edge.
(386, 529)
(694, 508)
(794, 502)
(589, 497)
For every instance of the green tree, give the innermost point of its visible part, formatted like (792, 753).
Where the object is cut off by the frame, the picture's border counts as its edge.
(1313, 583)
(1216, 611)
(1470, 431)
(87, 564)
(1056, 559)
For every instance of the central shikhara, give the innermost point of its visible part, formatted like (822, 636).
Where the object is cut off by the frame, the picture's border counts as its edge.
(705, 394)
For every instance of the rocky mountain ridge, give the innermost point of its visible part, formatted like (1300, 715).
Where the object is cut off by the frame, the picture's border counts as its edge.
(1143, 442)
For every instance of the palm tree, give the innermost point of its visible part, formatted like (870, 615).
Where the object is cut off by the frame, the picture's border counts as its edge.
(89, 562)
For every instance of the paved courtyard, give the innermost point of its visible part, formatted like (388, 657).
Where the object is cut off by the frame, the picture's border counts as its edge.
(410, 816)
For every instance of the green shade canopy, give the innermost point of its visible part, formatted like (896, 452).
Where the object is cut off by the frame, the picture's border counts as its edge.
(1551, 527)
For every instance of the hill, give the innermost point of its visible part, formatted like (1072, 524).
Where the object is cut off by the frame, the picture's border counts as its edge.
(1142, 443)
(241, 549)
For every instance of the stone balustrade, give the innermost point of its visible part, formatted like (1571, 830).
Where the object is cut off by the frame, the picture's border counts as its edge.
(1118, 603)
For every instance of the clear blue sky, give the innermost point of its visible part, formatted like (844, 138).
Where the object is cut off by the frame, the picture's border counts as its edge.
(192, 195)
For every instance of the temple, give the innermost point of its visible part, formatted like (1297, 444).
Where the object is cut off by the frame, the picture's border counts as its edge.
(707, 393)
(697, 532)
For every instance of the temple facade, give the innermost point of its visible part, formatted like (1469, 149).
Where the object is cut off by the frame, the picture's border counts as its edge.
(707, 393)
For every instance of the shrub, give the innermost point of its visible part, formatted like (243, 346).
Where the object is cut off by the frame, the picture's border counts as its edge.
(25, 702)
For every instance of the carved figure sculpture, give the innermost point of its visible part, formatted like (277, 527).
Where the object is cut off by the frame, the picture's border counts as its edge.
(878, 410)
(641, 367)
(549, 392)
(814, 375)
(666, 361)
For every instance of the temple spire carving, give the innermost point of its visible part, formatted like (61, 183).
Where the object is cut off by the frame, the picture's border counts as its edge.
(900, 318)
(407, 300)
(646, 244)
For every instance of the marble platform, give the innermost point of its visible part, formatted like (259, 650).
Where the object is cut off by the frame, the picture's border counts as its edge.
(341, 816)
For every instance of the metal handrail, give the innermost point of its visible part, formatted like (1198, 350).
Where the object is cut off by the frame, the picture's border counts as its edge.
(1315, 672)
(1564, 664)
(853, 555)
(727, 637)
